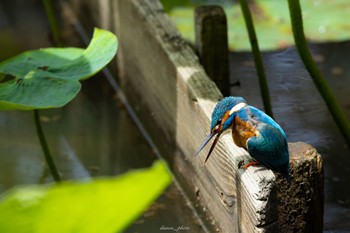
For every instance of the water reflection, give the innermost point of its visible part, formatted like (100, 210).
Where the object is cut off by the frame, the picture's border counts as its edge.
(87, 138)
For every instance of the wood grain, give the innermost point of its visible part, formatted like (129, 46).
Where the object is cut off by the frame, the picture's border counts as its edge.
(174, 98)
(171, 84)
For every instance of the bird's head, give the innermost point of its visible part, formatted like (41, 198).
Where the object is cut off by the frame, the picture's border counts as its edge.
(221, 119)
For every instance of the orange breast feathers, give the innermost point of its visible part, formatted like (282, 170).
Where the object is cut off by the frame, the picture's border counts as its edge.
(242, 131)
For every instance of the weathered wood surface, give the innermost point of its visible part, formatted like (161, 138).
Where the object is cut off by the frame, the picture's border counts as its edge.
(212, 45)
(174, 98)
(301, 202)
(180, 97)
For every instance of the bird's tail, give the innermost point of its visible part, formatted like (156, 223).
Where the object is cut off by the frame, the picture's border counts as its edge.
(284, 170)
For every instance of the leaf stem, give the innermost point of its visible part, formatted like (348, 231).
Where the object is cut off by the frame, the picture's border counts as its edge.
(257, 57)
(45, 148)
(53, 22)
(321, 84)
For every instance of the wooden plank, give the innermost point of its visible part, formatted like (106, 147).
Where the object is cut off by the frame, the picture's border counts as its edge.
(171, 86)
(174, 98)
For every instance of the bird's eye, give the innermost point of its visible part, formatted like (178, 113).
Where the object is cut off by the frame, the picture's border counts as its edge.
(218, 125)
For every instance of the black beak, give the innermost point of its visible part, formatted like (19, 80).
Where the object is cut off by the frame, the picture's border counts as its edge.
(205, 142)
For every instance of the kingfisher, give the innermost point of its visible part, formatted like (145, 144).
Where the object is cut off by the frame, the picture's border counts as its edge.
(252, 130)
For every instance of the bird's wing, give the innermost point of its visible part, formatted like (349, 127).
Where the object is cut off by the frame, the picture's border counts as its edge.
(269, 147)
(260, 116)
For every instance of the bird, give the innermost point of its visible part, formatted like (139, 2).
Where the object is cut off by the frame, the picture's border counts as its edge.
(253, 130)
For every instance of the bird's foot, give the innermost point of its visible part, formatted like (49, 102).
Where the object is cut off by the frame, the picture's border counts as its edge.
(251, 164)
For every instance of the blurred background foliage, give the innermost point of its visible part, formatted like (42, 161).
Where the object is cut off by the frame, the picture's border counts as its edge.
(323, 21)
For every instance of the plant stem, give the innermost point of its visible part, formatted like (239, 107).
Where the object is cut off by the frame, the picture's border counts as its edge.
(48, 156)
(321, 84)
(50, 13)
(257, 57)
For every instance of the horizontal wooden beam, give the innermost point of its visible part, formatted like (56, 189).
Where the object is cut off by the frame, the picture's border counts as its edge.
(174, 98)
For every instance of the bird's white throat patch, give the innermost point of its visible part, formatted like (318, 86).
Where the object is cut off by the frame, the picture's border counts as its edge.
(237, 107)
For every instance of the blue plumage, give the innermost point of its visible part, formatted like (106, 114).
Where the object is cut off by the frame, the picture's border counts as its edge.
(253, 130)
(221, 108)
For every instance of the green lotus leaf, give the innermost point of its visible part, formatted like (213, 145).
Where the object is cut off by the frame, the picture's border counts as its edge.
(105, 205)
(50, 77)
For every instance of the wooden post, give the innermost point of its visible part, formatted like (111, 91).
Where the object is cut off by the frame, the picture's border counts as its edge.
(300, 202)
(211, 44)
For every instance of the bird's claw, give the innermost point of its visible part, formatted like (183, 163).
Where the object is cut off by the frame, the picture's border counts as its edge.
(250, 164)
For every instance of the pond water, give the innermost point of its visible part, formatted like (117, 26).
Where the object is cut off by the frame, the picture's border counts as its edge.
(89, 137)
(94, 135)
